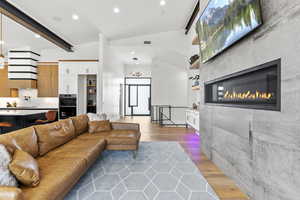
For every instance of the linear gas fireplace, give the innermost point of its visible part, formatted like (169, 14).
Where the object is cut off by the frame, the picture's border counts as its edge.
(255, 88)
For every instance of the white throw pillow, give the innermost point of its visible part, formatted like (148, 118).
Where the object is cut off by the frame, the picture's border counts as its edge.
(6, 178)
(96, 117)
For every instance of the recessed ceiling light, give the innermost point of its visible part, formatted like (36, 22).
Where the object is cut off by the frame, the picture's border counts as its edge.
(75, 17)
(162, 2)
(37, 36)
(132, 52)
(116, 10)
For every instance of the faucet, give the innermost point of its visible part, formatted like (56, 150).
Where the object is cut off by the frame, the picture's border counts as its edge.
(27, 98)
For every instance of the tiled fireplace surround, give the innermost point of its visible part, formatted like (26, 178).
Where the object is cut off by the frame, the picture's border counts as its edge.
(267, 166)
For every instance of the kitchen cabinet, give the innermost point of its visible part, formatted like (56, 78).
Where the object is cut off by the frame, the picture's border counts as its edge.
(193, 119)
(5, 89)
(69, 72)
(47, 81)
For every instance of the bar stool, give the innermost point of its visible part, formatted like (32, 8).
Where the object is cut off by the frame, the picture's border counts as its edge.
(4, 125)
(50, 117)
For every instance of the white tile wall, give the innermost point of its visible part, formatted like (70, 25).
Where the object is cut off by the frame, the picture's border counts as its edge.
(33, 102)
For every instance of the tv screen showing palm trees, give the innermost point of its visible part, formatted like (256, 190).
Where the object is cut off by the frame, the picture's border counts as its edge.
(224, 22)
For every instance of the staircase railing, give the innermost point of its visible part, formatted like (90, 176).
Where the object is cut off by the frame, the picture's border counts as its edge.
(167, 115)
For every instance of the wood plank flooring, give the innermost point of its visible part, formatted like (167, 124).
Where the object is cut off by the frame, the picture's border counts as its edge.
(224, 187)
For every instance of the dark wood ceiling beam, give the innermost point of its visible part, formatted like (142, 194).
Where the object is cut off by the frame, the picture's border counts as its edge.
(22, 18)
(192, 18)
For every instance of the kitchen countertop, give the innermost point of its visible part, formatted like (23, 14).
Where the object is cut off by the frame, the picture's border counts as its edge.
(21, 112)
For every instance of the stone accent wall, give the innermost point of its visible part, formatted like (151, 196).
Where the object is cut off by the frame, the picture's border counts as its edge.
(265, 165)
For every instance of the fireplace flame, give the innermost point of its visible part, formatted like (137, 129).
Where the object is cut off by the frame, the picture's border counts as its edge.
(248, 95)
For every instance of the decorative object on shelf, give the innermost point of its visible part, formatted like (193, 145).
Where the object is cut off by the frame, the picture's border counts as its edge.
(196, 83)
(14, 104)
(195, 106)
(193, 59)
(196, 65)
(2, 59)
(196, 77)
(137, 74)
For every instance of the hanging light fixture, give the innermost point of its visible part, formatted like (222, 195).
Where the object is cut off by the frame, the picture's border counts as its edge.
(2, 60)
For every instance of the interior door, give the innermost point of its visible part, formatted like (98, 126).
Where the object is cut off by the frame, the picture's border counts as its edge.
(139, 100)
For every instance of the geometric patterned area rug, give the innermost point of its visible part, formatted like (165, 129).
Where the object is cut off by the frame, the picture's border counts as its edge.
(161, 171)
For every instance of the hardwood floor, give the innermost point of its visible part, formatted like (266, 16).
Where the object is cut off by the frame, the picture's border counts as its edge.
(224, 187)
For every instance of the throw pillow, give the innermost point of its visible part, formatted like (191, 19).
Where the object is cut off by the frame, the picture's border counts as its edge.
(6, 178)
(99, 126)
(25, 168)
(97, 117)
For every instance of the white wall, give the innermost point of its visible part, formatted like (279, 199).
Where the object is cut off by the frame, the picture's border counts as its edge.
(169, 84)
(111, 72)
(144, 68)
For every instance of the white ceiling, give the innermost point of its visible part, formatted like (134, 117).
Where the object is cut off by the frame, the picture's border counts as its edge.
(17, 36)
(136, 17)
(171, 46)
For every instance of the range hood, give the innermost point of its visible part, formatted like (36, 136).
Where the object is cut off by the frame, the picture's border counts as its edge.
(22, 68)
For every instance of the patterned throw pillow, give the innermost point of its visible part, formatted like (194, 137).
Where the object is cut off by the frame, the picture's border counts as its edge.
(6, 178)
(96, 117)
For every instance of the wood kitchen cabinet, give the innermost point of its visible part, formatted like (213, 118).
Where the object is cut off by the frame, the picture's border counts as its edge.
(5, 89)
(47, 82)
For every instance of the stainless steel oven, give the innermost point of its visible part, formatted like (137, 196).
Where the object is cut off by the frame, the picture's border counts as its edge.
(67, 105)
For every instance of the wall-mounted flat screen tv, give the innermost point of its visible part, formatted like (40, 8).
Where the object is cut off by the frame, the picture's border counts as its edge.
(224, 22)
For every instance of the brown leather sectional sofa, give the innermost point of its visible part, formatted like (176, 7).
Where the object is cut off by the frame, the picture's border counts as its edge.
(64, 151)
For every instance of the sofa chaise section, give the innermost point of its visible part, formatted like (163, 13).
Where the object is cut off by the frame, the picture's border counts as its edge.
(64, 151)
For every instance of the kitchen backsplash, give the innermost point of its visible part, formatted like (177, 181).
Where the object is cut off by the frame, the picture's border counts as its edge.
(33, 101)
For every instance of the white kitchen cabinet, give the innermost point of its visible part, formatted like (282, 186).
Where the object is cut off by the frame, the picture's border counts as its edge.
(69, 73)
(193, 119)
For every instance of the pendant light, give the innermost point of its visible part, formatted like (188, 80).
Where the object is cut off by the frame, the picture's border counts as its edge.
(2, 60)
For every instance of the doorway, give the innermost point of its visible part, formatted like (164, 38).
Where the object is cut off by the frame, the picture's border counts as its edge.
(137, 99)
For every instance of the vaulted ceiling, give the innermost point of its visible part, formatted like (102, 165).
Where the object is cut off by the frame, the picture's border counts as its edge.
(136, 17)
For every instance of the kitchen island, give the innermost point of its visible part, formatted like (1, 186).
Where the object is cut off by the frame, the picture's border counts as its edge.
(20, 118)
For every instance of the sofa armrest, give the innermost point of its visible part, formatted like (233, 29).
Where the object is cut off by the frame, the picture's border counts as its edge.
(10, 193)
(125, 126)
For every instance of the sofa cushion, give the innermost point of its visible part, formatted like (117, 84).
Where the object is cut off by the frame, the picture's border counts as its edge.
(57, 176)
(24, 139)
(50, 136)
(89, 150)
(25, 168)
(99, 126)
(96, 117)
(94, 136)
(81, 124)
(123, 137)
